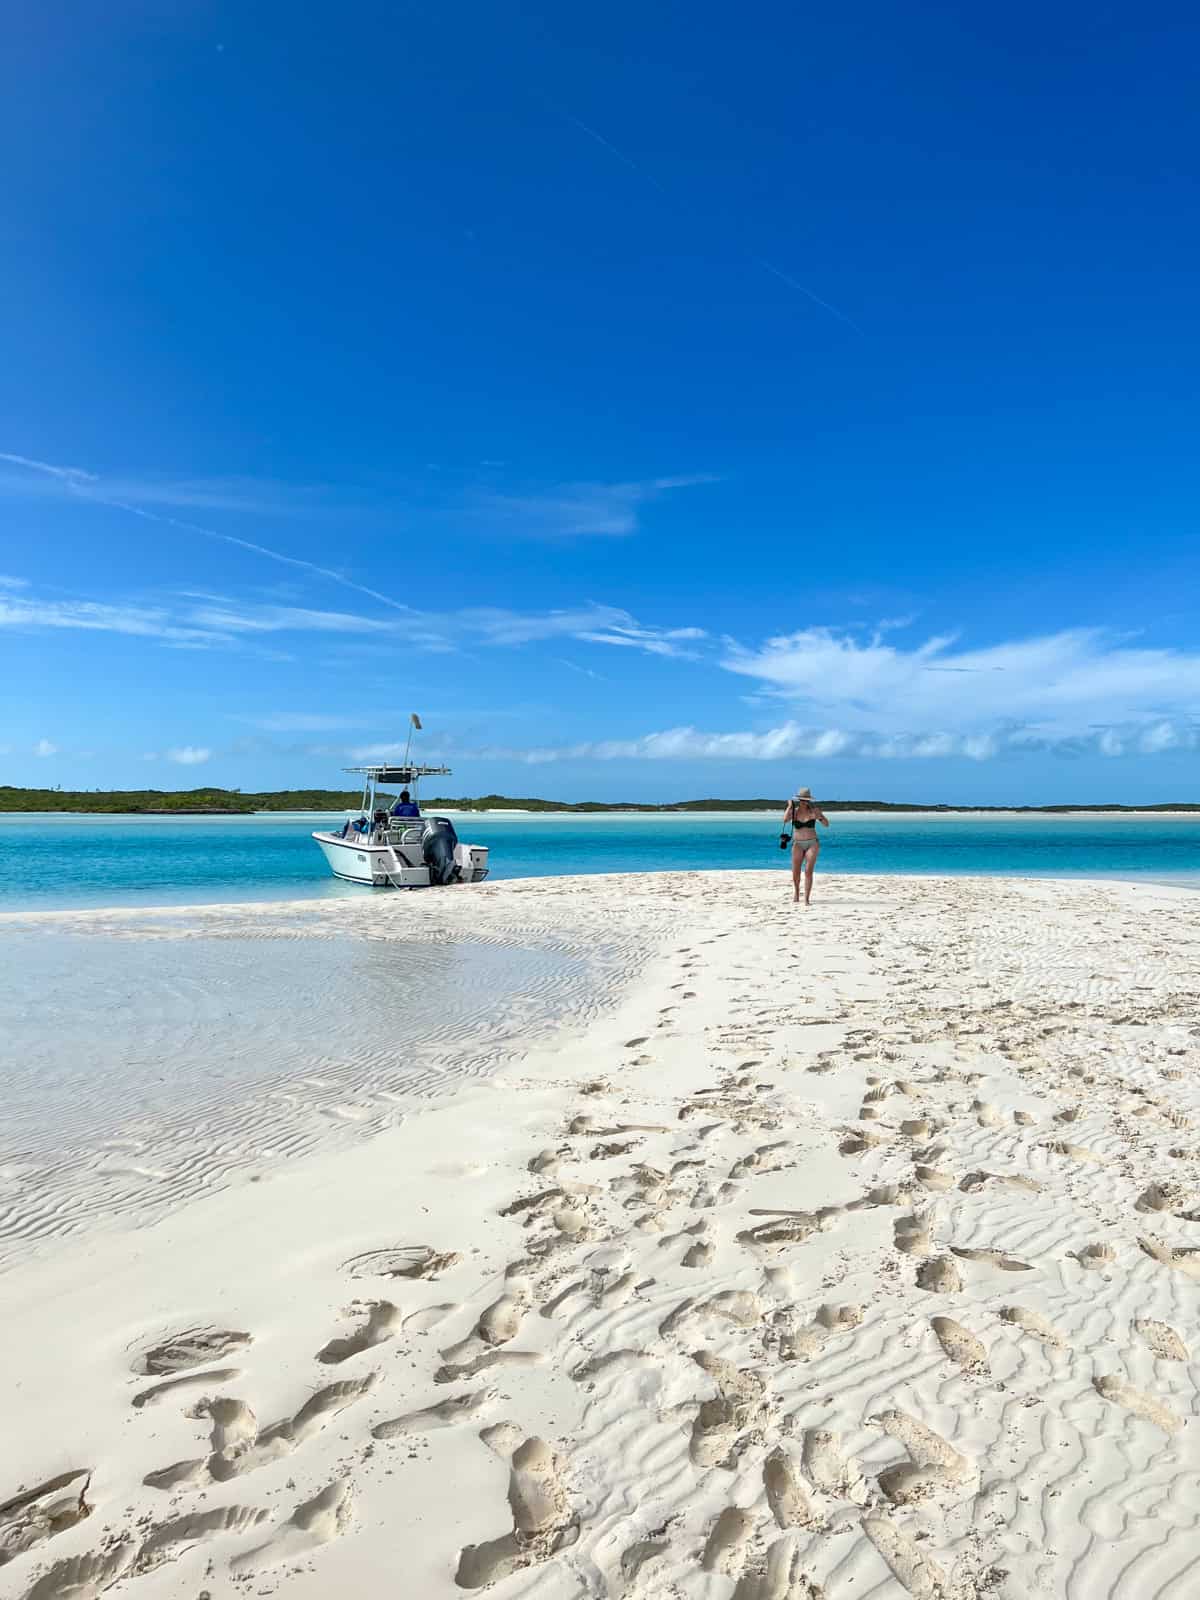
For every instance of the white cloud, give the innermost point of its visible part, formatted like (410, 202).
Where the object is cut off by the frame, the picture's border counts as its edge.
(1162, 736)
(189, 755)
(792, 741)
(44, 748)
(1052, 687)
(13, 583)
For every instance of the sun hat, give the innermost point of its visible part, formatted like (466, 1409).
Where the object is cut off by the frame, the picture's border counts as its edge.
(802, 794)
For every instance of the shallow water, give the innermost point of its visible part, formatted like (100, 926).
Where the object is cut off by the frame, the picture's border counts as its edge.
(88, 861)
(143, 1069)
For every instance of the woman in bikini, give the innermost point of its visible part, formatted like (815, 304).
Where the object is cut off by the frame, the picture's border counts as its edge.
(803, 815)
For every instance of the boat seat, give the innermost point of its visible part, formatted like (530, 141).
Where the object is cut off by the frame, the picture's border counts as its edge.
(406, 831)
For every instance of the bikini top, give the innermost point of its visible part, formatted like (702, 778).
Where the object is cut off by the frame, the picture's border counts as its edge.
(804, 822)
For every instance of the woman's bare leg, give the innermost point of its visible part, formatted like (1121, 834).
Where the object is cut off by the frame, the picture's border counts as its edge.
(810, 861)
(797, 869)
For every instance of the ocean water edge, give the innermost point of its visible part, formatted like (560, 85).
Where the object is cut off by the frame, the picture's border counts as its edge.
(60, 861)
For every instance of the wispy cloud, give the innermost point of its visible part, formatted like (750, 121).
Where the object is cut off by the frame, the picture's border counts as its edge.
(654, 641)
(575, 510)
(150, 622)
(251, 496)
(88, 486)
(44, 748)
(197, 622)
(300, 722)
(13, 583)
(189, 755)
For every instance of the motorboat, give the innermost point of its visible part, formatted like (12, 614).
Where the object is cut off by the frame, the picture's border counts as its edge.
(384, 851)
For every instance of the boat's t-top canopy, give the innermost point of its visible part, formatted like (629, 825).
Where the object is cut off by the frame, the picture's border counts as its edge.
(403, 773)
(388, 774)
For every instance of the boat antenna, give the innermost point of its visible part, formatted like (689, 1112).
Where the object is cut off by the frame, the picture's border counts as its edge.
(414, 721)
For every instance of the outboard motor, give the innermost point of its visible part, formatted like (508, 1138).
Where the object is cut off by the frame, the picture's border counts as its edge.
(437, 847)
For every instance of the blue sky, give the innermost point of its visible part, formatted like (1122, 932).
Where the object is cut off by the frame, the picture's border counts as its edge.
(664, 402)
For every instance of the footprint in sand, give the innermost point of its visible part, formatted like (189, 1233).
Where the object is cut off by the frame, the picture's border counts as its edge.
(801, 1344)
(502, 1438)
(171, 1539)
(84, 1577)
(402, 1261)
(488, 1361)
(791, 1227)
(1094, 1257)
(1186, 1261)
(935, 1463)
(1074, 1152)
(445, 1414)
(725, 1548)
(978, 1180)
(503, 1318)
(1035, 1323)
(1145, 1406)
(428, 1317)
(991, 1258)
(933, 1178)
(939, 1275)
(191, 1380)
(383, 1321)
(193, 1347)
(1174, 1197)
(786, 1495)
(909, 1564)
(737, 1406)
(828, 1470)
(961, 1346)
(313, 1523)
(39, 1513)
(1161, 1339)
(777, 1576)
(537, 1499)
(911, 1235)
(237, 1443)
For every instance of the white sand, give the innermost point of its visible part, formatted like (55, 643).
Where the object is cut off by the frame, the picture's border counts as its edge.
(857, 1261)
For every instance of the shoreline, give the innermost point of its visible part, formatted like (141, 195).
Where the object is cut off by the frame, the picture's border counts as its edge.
(355, 907)
(963, 1106)
(1017, 813)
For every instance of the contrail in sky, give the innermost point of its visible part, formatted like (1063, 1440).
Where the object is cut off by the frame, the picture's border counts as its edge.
(612, 149)
(792, 283)
(80, 483)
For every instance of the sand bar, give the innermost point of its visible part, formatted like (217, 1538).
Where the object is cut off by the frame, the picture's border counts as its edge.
(842, 1252)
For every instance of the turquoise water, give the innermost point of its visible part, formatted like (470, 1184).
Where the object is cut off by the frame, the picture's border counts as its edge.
(86, 861)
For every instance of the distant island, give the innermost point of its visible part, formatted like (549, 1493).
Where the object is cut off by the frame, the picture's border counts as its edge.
(235, 803)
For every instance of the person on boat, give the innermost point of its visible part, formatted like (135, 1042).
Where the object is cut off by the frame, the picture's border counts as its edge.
(803, 814)
(405, 806)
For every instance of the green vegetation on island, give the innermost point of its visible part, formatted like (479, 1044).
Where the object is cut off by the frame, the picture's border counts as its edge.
(233, 802)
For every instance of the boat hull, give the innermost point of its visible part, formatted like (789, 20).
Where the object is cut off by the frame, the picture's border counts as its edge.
(382, 866)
